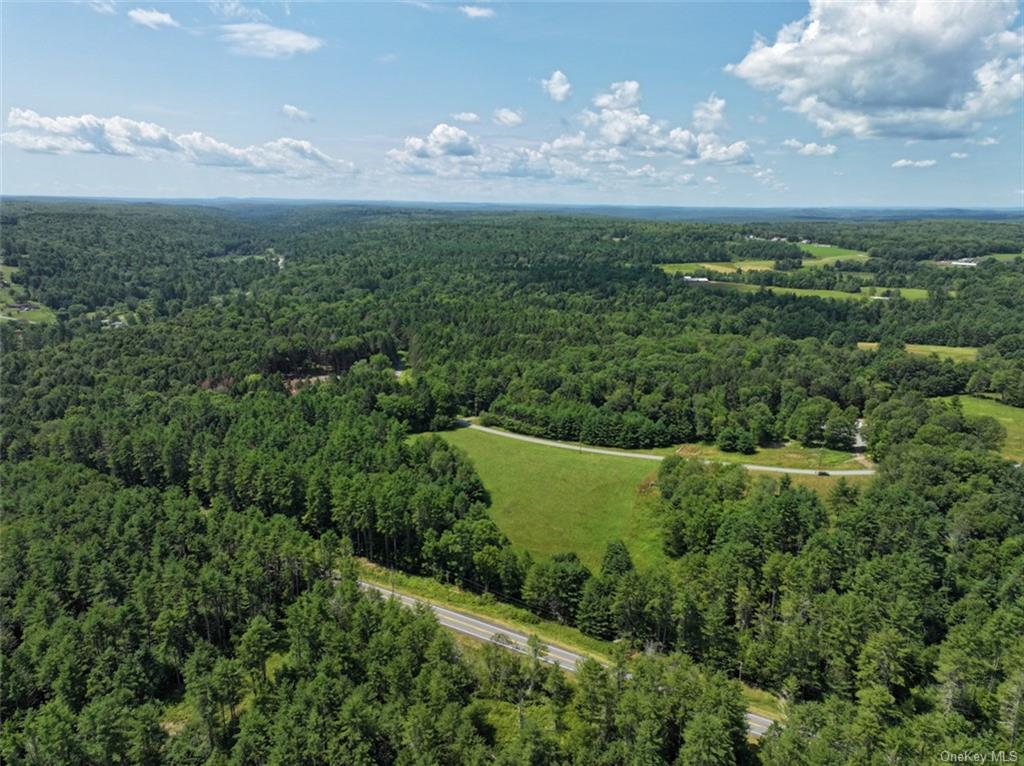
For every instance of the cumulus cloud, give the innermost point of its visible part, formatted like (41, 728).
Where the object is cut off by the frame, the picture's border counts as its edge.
(557, 86)
(510, 118)
(913, 163)
(919, 69)
(294, 113)
(106, 7)
(466, 117)
(443, 141)
(619, 122)
(476, 12)
(387, 58)
(620, 95)
(267, 41)
(450, 152)
(986, 141)
(233, 9)
(811, 149)
(709, 115)
(152, 18)
(124, 137)
(958, 156)
(615, 143)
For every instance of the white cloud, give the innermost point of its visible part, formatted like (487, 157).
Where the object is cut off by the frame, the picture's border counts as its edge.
(986, 141)
(913, 163)
(387, 58)
(152, 18)
(443, 141)
(622, 95)
(233, 9)
(120, 136)
(294, 113)
(476, 12)
(106, 7)
(811, 149)
(557, 86)
(710, 180)
(958, 156)
(266, 41)
(466, 117)
(602, 155)
(920, 69)
(451, 152)
(510, 118)
(566, 144)
(620, 123)
(709, 115)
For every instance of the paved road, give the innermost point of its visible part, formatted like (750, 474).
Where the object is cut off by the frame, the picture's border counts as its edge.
(649, 456)
(459, 622)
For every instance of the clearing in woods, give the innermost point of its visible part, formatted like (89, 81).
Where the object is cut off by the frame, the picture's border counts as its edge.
(555, 500)
(956, 353)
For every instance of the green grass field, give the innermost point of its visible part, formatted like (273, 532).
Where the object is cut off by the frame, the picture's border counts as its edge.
(11, 293)
(1012, 419)
(867, 293)
(823, 255)
(956, 353)
(1004, 256)
(723, 267)
(828, 251)
(552, 500)
(791, 455)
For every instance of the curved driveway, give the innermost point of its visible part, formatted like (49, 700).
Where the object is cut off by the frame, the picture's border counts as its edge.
(650, 456)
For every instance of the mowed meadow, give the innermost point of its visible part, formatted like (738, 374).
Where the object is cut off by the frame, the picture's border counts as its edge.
(549, 500)
(554, 500)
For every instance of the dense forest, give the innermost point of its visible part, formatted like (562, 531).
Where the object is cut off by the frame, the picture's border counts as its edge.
(233, 402)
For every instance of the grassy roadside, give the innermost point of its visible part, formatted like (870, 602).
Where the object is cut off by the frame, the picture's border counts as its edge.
(427, 589)
(486, 607)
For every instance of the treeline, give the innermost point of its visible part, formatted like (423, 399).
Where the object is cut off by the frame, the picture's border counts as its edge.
(912, 240)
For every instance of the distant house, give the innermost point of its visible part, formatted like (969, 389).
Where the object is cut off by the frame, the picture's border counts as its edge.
(687, 278)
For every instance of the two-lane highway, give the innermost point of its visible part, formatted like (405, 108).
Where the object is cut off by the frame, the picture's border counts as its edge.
(482, 630)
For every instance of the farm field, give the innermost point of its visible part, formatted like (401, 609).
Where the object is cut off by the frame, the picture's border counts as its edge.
(956, 353)
(823, 255)
(723, 267)
(551, 500)
(910, 293)
(828, 251)
(1012, 419)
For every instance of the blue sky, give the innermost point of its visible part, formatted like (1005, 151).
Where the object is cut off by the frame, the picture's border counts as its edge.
(887, 104)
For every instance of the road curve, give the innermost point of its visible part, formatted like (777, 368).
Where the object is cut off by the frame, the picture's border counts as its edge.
(482, 630)
(650, 456)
